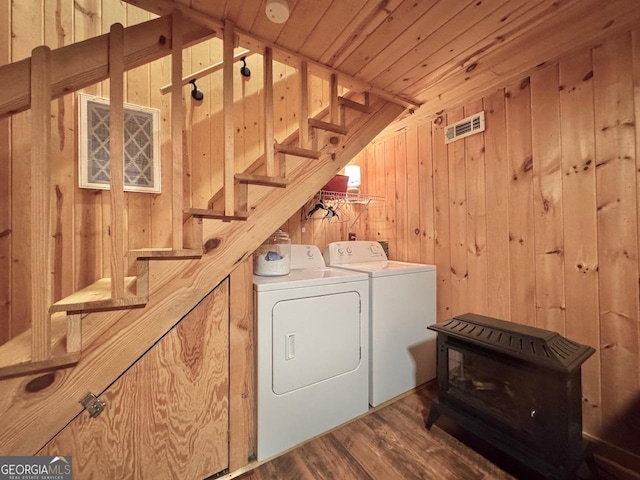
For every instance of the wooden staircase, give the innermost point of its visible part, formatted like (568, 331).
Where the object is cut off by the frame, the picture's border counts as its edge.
(103, 328)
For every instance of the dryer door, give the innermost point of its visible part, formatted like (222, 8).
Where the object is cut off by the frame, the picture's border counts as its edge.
(314, 339)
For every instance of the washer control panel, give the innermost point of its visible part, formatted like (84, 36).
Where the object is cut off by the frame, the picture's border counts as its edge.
(341, 253)
(306, 256)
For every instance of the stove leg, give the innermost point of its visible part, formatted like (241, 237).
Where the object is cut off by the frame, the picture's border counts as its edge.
(593, 466)
(434, 414)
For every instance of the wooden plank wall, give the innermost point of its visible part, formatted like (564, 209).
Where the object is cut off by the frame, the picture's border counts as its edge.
(166, 417)
(81, 217)
(536, 220)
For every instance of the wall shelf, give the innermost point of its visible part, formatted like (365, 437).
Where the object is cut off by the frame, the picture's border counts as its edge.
(335, 201)
(355, 198)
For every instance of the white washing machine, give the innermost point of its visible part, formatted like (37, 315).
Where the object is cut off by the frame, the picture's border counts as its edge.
(402, 299)
(312, 350)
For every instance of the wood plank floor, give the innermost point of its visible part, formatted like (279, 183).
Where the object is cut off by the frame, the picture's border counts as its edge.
(388, 444)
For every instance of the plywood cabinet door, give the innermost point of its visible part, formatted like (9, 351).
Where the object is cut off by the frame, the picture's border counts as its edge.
(167, 416)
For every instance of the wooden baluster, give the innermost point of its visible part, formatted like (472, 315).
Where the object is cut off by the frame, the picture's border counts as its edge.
(40, 203)
(74, 332)
(177, 124)
(303, 133)
(227, 106)
(333, 98)
(116, 158)
(268, 112)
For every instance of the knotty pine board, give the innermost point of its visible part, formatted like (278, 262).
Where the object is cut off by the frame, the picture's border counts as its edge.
(23, 39)
(91, 207)
(242, 406)
(5, 190)
(389, 176)
(616, 199)
(547, 199)
(400, 204)
(458, 219)
(425, 191)
(58, 22)
(520, 197)
(442, 257)
(579, 224)
(138, 204)
(413, 231)
(497, 179)
(197, 123)
(183, 380)
(476, 216)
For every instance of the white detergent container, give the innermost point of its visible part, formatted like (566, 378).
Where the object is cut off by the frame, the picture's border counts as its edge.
(312, 350)
(402, 304)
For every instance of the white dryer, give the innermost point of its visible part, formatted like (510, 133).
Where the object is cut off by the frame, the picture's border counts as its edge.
(402, 298)
(312, 350)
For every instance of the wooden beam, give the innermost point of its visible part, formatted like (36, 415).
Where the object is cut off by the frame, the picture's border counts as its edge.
(303, 74)
(268, 112)
(116, 158)
(227, 106)
(40, 173)
(84, 63)
(177, 125)
(281, 54)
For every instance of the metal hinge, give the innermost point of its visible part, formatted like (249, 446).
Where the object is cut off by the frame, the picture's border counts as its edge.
(92, 404)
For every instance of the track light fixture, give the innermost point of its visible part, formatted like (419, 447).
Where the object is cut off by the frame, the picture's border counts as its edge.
(196, 93)
(244, 70)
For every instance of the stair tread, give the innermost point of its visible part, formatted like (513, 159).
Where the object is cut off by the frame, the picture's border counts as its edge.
(97, 296)
(56, 361)
(361, 107)
(297, 151)
(331, 127)
(261, 180)
(165, 253)
(215, 214)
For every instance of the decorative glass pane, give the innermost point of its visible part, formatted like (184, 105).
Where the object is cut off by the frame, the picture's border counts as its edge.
(141, 150)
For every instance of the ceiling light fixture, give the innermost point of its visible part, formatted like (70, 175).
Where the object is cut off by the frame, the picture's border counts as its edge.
(277, 10)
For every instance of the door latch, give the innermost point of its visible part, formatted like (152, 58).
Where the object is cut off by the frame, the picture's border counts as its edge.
(92, 404)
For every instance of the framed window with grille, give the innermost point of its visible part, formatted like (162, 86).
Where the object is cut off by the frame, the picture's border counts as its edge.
(141, 145)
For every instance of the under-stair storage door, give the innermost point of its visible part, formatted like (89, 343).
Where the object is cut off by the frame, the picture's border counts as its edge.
(315, 339)
(166, 417)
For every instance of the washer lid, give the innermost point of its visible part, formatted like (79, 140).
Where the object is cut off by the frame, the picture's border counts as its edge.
(306, 278)
(390, 267)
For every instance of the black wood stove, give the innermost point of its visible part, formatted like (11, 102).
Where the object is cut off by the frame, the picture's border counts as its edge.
(516, 387)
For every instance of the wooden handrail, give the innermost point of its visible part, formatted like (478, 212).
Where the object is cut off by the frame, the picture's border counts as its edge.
(205, 71)
(84, 63)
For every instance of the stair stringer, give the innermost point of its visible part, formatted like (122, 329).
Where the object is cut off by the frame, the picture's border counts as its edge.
(34, 408)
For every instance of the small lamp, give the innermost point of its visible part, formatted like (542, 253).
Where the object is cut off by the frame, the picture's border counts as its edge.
(355, 179)
(277, 10)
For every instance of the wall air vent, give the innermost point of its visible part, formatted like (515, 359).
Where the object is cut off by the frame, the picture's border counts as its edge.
(464, 128)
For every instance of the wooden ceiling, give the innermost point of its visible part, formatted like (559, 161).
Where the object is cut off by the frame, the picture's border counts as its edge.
(428, 52)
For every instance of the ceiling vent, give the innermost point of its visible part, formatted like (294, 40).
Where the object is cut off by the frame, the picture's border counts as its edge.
(464, 128)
